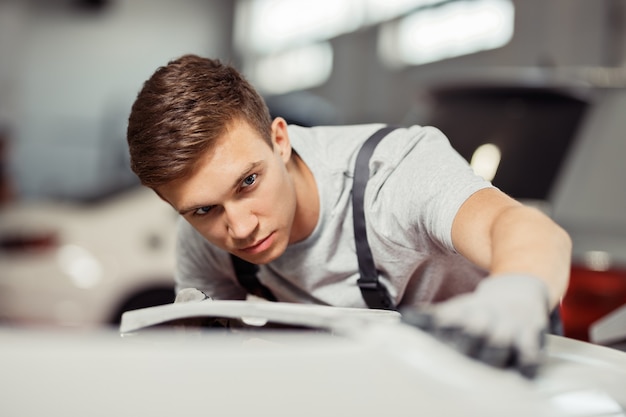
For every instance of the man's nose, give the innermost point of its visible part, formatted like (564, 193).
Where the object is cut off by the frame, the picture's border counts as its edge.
(240, 220)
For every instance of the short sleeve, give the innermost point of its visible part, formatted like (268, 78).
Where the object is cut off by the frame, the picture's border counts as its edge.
(418, 184)
(201, 265)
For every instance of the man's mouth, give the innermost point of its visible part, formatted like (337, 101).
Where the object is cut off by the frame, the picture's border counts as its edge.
(260, 245)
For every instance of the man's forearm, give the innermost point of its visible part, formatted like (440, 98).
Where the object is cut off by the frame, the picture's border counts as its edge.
(526, 241)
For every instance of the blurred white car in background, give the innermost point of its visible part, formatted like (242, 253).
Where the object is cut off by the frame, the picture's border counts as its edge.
(82, 264)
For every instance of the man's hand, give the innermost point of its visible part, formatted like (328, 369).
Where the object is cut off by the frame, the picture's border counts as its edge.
(502, 323)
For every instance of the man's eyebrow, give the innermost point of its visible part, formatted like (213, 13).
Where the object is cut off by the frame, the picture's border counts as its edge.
(244, 173)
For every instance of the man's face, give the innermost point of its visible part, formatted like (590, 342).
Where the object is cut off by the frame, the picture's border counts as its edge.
(241, 196)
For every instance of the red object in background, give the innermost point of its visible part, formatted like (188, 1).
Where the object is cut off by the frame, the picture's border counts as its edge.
(21, 242)
(591, 295)
(6, 186)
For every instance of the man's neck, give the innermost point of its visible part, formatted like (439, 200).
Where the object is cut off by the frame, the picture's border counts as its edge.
(307, 200)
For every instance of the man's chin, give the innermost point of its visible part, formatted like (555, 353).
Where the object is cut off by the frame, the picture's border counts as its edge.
(260, 259)
(264, 257)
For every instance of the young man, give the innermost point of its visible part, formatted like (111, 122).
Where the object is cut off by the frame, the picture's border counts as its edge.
(488, 269)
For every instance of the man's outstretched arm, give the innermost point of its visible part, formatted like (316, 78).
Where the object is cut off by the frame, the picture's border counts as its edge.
(528, 256)
(505, 237)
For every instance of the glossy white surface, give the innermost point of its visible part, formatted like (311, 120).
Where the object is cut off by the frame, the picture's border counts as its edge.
(384, 371)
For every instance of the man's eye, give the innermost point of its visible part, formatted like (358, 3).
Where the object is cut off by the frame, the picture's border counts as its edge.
(202, 210)
(249, 180)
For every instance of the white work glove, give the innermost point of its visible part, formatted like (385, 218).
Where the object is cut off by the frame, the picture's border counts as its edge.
(190, 294)
(502, 323)
(194, 295)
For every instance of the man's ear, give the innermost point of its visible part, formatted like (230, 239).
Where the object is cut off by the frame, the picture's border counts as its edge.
(280, 138)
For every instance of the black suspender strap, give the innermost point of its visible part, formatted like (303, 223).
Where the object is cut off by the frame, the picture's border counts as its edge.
(374, 293)
(247, 276)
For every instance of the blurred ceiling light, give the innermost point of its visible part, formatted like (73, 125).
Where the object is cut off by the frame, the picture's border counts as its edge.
(381, 10)
(485, 161)
(266, 26)
(80, 265)
(452, 29)
(295, 69)
(284, 43)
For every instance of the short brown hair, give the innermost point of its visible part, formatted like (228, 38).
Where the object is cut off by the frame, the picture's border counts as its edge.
(180, 112)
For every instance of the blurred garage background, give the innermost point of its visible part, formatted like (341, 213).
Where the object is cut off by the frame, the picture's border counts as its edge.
(531, 92)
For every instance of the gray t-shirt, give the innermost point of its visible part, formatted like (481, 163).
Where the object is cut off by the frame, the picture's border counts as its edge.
(417, 184)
